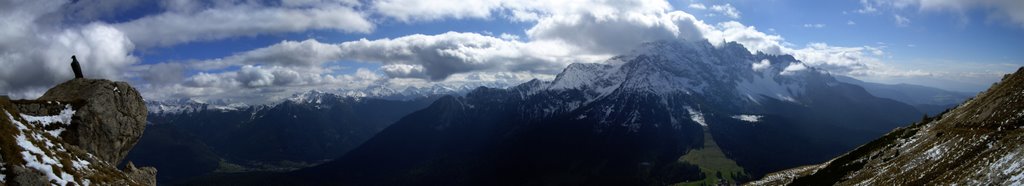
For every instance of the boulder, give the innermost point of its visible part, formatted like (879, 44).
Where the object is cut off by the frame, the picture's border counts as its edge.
(110, 119)
(75, 134)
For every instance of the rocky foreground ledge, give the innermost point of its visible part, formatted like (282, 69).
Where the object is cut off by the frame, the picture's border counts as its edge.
(75, 134)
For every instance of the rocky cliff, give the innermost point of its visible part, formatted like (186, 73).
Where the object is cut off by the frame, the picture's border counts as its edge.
(75, 134)
(976, 143)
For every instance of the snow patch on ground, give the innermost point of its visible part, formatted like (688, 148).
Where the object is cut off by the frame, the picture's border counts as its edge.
(935, 152)
(1010, 165)
(42, 160)
(36, 159)
(2, 170)
(81, 164)
(64, 118)
(696, 116)
(748, 118)
(785, 175)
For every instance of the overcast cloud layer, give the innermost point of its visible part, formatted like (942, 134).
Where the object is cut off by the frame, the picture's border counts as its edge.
(38, 37)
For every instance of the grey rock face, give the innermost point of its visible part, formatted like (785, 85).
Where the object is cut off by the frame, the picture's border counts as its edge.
(27, 176)
(144, 175)
(110, 120)
(84, 147)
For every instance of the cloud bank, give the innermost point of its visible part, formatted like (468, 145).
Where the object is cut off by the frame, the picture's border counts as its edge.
(187, 25)
(39, 36)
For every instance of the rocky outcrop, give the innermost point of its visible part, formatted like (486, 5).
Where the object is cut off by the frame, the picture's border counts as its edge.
(976, 143)
(75, 134)
(145, 175)
(111, 120)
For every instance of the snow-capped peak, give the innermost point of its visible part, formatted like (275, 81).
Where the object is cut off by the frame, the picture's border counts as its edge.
(312, 96)
(683, 67)
(185, 105)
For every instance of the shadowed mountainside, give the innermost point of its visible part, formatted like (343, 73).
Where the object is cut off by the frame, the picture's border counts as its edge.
(976, 143)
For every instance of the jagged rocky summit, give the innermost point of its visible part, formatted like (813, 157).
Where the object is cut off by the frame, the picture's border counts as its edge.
(75, 134)
(976, 143)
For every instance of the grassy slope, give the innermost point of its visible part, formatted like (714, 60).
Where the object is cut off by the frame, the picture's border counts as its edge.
(711, 161)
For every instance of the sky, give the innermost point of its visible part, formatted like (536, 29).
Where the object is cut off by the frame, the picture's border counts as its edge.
(261, 51)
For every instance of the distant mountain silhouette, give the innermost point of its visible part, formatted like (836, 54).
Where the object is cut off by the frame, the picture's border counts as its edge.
(192, 138)
(926, 99)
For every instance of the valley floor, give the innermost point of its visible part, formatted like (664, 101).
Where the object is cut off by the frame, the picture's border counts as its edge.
(713, 163)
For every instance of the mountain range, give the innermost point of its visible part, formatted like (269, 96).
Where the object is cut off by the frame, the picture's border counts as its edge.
(669, 112)
(185, 105)
(926, 99)
(188, 138)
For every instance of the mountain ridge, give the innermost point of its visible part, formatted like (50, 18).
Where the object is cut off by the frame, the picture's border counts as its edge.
(179, 105)
(975, 143)
(927, 99)
(300, 131)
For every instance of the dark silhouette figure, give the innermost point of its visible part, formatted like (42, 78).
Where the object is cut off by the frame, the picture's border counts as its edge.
(75, 67)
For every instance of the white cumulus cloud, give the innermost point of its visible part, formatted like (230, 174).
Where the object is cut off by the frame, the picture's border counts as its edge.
(698, 6)
(727, 10)
(35, 53)
(900, 20)
(818, 25)
(175, 27)
(759, 66)
(435, 57)
(793, 68)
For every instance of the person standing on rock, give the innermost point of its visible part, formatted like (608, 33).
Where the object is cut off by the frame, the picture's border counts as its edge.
(75, 67)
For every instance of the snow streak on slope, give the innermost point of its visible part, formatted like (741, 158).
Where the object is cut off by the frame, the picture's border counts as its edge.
(2, 170)
(696, 116)
(47, 161)
(64, 119)
(748, 118)
(597, 80)
(765, 84)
